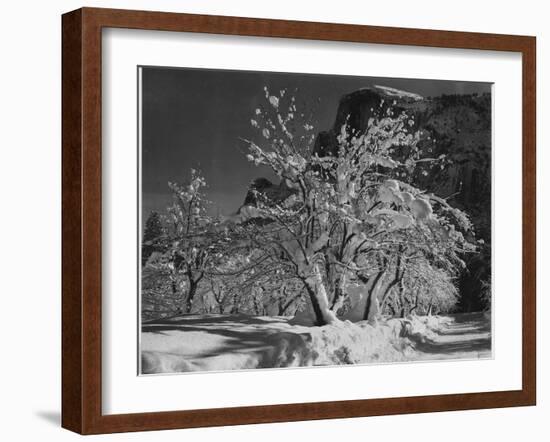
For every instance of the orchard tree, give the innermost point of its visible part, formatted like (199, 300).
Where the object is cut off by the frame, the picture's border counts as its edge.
(348, 215)
(191, 243)
(246, 280)
(420, 288)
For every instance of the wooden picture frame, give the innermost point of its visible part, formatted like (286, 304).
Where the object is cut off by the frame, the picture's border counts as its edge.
(81, 214)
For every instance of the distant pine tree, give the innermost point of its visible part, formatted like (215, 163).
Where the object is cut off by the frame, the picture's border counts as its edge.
(153, 231)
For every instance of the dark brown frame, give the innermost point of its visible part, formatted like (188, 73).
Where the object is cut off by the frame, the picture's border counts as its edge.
(81, 306)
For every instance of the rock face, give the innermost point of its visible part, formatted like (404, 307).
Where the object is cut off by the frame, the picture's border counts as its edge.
(460, 127)
(272, 192)
(358, 107)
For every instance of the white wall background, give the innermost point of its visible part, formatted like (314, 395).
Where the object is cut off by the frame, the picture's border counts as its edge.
(30, 218)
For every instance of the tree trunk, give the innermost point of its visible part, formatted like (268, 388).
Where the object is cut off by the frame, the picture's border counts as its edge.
(190, 296)
(257, 306)
(372, 305)
(339, 293)
(235, 305)
(318, 296)
(315, 305)
(404, 302)
(193, 285)
(398, 278)
(283, 307)
(387, 292)
(429, 312)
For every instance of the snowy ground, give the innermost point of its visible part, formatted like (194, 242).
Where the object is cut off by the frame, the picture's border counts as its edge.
(467, 336)
(223, 342)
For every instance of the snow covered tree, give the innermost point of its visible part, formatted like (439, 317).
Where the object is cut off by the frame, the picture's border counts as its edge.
(420, 287)
(245, 280)
(347, 216)
(190, 245)
(188, 225)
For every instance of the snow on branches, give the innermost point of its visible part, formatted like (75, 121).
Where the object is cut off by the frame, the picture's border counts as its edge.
(351, 219)
(347, 210)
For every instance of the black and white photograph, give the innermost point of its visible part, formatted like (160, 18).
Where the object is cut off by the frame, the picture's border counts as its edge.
(302, 220)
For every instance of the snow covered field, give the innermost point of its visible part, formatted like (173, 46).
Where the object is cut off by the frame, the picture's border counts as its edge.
(235, 342)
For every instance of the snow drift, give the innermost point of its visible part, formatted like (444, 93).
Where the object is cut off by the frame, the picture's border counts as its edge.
(223, 342)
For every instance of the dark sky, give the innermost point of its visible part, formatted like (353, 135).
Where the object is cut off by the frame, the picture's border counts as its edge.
(196, 117)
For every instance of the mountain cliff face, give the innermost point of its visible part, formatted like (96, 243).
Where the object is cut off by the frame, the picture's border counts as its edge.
(457, 126)
(272, 192)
